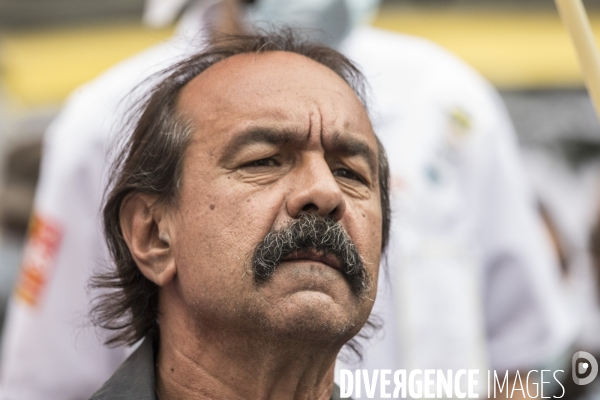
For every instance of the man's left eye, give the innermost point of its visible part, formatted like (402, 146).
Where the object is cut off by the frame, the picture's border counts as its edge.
(348, 174)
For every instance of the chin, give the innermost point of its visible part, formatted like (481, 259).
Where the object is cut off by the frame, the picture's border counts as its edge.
(314, 317)
(314, 305)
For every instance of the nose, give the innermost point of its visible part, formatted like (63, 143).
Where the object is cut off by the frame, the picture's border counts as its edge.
(316, 190)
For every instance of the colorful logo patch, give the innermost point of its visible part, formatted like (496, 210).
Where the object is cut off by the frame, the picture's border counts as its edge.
(39, 258)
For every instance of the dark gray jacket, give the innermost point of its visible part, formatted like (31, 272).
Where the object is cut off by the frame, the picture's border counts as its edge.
(134, 380)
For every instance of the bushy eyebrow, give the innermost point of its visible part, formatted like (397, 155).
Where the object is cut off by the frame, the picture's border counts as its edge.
(258, 135)
(340, 144)
(348, 146)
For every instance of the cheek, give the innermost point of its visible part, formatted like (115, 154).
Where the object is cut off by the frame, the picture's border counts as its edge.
(364, 227)
(219, 225)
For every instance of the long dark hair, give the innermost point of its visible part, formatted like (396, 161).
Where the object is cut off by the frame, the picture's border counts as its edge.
(151, 162)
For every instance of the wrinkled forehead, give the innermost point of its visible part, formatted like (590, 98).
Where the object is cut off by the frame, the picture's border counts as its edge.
(279, 86)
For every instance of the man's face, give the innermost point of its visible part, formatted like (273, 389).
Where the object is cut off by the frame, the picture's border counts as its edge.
(274, 135)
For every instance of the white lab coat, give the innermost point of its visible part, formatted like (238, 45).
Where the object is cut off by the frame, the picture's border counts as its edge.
(472, 278)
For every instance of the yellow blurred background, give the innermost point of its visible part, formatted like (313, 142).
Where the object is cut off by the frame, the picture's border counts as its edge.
(512, 48)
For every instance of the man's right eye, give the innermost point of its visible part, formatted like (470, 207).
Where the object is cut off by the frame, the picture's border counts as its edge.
(265, 162)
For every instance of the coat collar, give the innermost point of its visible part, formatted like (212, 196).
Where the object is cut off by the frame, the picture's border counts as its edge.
(134, 380)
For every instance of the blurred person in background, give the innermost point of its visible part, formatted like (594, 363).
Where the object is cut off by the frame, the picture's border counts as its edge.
(472, 279)
(566, 179)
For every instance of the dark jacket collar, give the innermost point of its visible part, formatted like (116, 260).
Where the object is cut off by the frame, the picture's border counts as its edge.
(134, 380)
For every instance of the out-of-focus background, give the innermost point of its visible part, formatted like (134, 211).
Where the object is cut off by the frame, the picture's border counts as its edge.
(49, 47)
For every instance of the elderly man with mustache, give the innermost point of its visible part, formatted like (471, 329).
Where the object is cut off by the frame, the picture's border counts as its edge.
(246, 219)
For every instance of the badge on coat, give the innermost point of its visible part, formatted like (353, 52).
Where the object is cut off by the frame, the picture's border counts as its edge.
(39, 258)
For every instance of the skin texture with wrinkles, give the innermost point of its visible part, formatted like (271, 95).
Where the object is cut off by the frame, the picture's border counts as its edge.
(275, 134)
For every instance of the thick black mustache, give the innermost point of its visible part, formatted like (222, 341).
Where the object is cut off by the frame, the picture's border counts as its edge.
(311, 232)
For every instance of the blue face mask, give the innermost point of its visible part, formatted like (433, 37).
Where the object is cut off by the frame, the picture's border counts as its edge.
(325, 21)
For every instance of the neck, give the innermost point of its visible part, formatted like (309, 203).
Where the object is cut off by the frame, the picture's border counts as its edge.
(230, 18)
(225, 363)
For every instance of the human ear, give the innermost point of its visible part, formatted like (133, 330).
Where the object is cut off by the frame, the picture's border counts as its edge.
(146, 229)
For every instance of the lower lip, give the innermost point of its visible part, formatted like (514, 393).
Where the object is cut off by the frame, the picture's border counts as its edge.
(308, 261)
